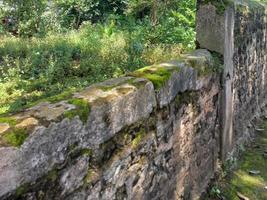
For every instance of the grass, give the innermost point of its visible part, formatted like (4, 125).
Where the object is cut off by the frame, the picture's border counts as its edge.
(251, 186)
(34, 70)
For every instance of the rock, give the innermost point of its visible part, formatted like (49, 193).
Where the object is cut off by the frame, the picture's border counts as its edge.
(28, 122)
(113, 107)
(50, 112)
(38, 155)
(210, 28)
(4, 127)
(73, 176)
(10, 174)
(184, 78)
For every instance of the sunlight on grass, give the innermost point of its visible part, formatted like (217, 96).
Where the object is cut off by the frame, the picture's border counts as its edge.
(252, 186)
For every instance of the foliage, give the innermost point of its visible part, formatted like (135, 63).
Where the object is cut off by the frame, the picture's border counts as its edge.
(47, 56)
(24, 17)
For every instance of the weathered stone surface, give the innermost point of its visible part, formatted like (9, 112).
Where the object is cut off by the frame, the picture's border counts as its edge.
(180, 81)
(210, 28)
(114, 108)
(73, 176)
(4, 127)
(40, 153)
(28, 122)
(186, 78)
(139, 141)
(240, 35)
(48, 111)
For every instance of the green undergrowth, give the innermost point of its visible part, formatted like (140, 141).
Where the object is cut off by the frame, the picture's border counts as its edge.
(15, 137)
(241, 181)
(157, 74)
(82, 109)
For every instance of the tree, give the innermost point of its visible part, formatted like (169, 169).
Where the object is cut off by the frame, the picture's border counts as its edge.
(25, 16)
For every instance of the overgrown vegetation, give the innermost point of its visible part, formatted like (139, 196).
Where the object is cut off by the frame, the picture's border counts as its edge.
(250, 178)
(50, 47)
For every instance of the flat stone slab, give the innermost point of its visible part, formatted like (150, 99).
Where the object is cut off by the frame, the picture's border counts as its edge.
(115, 104)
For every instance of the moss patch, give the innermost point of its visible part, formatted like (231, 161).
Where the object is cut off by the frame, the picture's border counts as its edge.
(52, 175)
(82, 109)
(15, 137)
(22, 190)
(158, 75)
(138, 138)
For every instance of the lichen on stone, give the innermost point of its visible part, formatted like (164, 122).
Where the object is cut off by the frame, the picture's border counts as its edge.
(82, 109)
(204, 62)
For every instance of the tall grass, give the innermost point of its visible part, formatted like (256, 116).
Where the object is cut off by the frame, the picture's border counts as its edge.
(36, 68)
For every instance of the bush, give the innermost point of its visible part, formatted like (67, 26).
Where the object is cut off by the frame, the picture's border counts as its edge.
(33, 68)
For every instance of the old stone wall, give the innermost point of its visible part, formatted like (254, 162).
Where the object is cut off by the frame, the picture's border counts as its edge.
(150, 135)
(157, 133)
(240, 31)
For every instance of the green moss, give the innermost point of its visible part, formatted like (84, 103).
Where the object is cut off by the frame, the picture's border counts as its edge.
(138, 138)
(52, 175)
(82, 109)
(62, 96)
(15, 137)
(158, 75)
(21, 190)
(87, 152)
(252, 186)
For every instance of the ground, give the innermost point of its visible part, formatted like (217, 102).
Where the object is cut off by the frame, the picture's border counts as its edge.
(249, 180)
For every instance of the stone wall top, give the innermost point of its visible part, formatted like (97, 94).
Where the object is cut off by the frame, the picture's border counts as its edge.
(34, 141)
